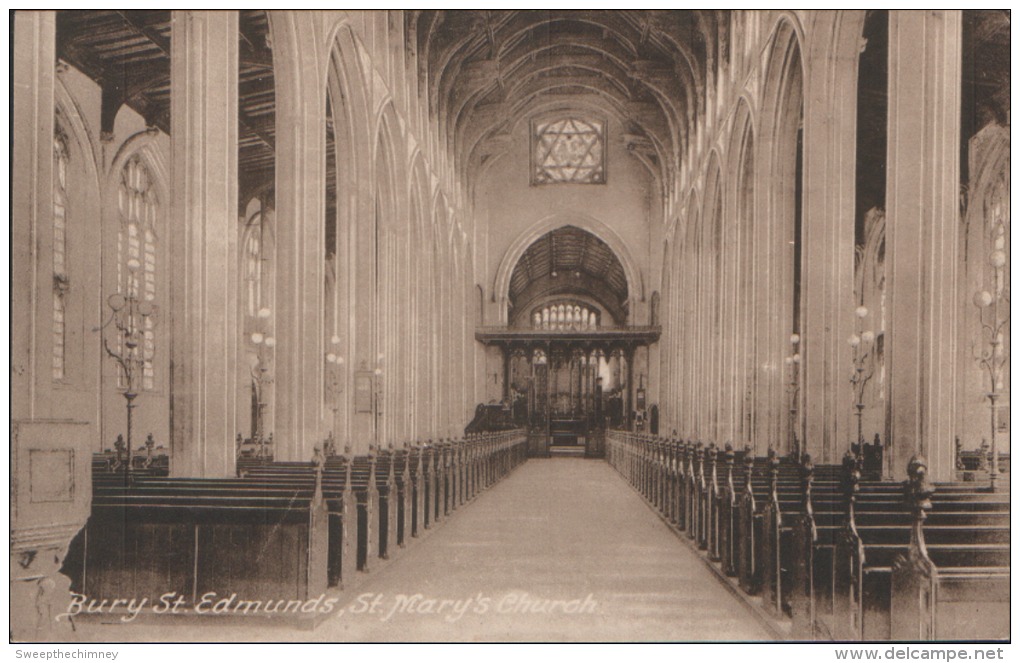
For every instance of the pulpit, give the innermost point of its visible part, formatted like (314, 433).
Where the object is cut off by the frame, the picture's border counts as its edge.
(50, 501)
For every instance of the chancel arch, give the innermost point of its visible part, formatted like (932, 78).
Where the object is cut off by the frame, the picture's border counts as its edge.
(598, 229)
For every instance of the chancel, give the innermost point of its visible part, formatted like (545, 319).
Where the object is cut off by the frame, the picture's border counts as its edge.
(518, 325)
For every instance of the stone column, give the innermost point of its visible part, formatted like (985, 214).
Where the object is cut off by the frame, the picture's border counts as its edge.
(922, 236)
(299, 413)
(34, 59)
(827, 281)
(204, 70)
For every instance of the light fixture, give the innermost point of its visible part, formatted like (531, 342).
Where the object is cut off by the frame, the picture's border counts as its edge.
(131, 317)
(993, 355)
(862, 343)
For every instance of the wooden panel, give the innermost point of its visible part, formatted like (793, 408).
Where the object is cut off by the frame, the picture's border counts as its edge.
(971, 620)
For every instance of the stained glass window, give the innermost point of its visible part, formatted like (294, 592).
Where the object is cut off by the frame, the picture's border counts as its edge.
(569, 150)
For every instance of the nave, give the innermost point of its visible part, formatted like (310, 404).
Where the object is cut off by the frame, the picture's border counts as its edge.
(562, 529)
(290, 288)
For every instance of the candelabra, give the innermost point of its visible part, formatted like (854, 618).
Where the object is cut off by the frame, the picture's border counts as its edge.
(792, 362)
(131, 317)
(994, 318)
(862, 343)
(334, 378)
(264, 343)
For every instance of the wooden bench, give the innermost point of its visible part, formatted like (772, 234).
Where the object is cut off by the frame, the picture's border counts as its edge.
(952, 600)
(967, 532)
(824, 547)
(281, 530)
(197, 539)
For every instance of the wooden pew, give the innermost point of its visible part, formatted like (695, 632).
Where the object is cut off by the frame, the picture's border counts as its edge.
(385, 484)
(204, 538)
(825, 546)
(950, 601)
(284, 531)
(342, 507)
(966, 532)
(405, 494)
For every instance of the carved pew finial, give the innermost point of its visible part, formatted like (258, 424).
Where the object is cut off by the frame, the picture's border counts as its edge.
(748, 468)
(851, 481)
(729, 457)
(773, 465)
(919, 491)
(807, 478)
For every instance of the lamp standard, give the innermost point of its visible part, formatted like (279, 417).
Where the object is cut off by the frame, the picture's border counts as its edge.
(994, 317)
(862, 344)
(133, 318)
(334, 380)
(263, 343)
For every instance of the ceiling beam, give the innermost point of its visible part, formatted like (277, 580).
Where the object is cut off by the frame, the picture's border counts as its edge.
(154, 36)
(249, 123)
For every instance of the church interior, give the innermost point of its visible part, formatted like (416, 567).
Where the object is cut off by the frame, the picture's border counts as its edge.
(619, 325)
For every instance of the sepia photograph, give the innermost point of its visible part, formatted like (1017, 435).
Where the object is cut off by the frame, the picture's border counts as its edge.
(510, 326)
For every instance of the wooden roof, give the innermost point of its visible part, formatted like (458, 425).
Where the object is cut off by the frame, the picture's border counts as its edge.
(128, 54)
(567, 260)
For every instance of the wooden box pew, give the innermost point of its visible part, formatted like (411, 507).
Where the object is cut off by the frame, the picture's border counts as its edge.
(203, 540)
(880, 536)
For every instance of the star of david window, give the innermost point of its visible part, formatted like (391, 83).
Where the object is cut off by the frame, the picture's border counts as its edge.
(568, 150)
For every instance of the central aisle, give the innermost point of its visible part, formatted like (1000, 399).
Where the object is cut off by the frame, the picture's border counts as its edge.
(556, 530)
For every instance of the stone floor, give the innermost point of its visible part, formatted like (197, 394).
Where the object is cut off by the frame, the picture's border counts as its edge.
(561, 550)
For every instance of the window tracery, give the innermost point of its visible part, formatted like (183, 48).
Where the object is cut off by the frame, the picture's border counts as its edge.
(565, 316)
(569, 150)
